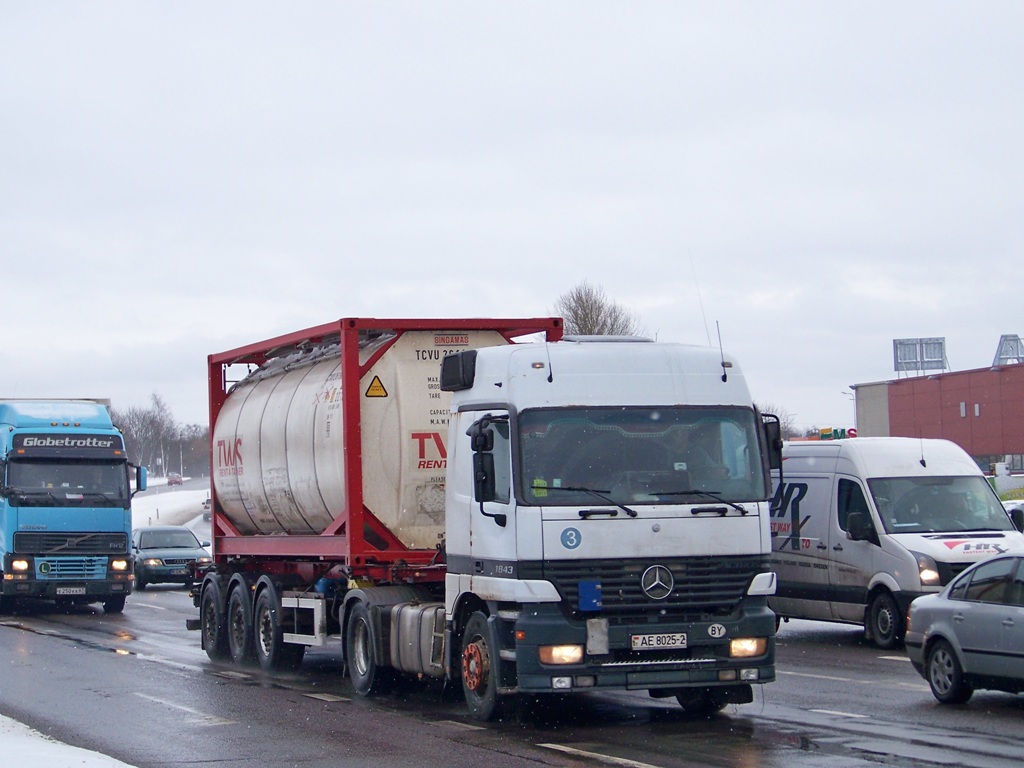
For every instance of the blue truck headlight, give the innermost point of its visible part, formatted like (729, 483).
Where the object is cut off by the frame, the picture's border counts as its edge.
(119, 565)
(21, 565)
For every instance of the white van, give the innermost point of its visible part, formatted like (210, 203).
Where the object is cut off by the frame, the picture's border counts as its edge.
(860, 527)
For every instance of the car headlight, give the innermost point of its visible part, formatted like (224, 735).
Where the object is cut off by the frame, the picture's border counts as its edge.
(203, 560)
(927, 570)
(152, 561)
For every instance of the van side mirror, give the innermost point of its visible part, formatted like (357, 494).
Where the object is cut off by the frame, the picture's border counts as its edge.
(1017, 518)
(858, 527)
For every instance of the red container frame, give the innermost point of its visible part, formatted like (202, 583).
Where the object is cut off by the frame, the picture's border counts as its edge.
(344, 542)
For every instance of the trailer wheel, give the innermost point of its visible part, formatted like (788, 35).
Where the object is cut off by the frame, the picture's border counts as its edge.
(885, 622)
(240, 626)
(369, 678)
(479, 681)
(114, 604)
(272, 652)
(213, 623)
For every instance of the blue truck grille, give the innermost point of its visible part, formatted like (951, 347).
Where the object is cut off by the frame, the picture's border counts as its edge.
(703, 586)
(70, 543)
(71, 568)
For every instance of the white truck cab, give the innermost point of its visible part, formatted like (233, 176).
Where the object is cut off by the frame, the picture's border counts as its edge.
(860, 527)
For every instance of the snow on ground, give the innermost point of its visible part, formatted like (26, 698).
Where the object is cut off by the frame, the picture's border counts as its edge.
(19, 744)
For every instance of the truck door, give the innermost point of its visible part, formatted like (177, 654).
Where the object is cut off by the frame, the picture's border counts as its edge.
(492, 522)
(851, 563)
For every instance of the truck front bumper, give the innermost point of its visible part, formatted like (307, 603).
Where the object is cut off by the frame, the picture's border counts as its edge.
(632, 657)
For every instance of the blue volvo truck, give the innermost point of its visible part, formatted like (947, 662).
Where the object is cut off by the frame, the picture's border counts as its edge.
(65, 504)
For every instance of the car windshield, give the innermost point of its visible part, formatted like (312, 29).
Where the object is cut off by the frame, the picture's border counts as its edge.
(168, 540)
(47, 483)
(639, 455)
(938, 504)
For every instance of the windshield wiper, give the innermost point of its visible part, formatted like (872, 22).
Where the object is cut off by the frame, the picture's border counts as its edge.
(21, 495)
(601, 494)
(713, 495)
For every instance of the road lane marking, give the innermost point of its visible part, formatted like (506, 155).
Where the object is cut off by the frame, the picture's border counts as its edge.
(201, 717)
(818, 677)
(325, 697)
(895, 658)
(838, 713)
(609, 759)
(457, 724)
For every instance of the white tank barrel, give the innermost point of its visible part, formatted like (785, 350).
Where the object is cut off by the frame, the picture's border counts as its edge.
(278, 440)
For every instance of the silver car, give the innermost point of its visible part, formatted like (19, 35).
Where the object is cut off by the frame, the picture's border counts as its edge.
(971, 634)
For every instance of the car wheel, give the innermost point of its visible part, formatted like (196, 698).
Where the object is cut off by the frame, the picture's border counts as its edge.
(368, 677)
(213, 624)
(240, 628)
(946, 676)
(479, 670)
(114, 604)
(140, 585)
(884, 621)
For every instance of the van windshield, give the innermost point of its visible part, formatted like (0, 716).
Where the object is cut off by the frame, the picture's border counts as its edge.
(938, 504)
(669, 455)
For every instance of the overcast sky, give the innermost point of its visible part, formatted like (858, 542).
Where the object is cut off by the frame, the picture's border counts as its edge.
(180, 178)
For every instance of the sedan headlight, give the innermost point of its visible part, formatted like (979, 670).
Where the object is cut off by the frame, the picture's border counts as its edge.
(152, 561)
(203, 560)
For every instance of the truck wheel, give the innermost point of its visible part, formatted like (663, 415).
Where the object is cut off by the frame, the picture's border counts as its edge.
(369, 678)
(272, 652)
(701, 702)
(240, 627)
(946, 676)
(114, 604)
(884, 621)
(213, 624)
(478, 669)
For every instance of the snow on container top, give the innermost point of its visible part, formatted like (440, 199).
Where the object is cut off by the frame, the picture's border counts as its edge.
(278, 446)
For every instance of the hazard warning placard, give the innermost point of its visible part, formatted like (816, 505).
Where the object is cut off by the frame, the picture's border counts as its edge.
(376, 388)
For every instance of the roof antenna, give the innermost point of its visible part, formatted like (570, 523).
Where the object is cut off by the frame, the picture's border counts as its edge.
(725, 364)
(700, 301)
(923, 462)
(551, 373)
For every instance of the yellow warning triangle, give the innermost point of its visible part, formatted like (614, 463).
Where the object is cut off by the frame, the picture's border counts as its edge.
(376, 389)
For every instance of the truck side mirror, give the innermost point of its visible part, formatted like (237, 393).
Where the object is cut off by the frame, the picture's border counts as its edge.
(773, 440)
(141, 478)
(481, 437)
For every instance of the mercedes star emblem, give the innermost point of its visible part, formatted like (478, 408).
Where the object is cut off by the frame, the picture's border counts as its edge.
(657, 582)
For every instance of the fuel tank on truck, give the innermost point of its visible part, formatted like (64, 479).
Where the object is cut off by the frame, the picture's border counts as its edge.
(278, 464)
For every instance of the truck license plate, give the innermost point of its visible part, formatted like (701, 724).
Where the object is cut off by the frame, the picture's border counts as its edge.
(658, 642)
(71, 590)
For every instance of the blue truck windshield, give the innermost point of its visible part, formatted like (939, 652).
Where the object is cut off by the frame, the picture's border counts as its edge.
(50, 483)
(672, 455)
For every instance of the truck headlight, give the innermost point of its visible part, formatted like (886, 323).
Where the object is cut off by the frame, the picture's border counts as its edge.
(927, 570)
(561, 654)
(747, 647)
(20, 565)
(119, 565)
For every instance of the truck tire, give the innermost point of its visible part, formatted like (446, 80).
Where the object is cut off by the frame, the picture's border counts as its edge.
(213, 623)
(479, 671)
(114, 604)
(884, 621)
(369, 677)
(240, 626)
(702, 702)
(945, 675)
(272, 652)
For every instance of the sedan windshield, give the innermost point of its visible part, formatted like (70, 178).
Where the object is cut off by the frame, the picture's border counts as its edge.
(938, 504)
(168, 540)
(639, 456)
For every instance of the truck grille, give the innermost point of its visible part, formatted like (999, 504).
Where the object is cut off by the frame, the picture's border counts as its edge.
(72, 568)
(704, 586)
(32, 543)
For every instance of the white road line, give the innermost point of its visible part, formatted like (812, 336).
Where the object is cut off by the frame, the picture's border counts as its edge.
(895, 658)
(325, 697)
(457, 724)
(201, 717)
(597, 756)
(838, 713)
(818, 677)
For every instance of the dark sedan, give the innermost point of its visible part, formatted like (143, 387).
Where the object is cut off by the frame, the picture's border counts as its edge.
(971, 634)
(167, 554)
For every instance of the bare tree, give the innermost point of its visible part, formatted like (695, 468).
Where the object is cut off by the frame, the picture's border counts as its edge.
(785, 419)
(153, 438)
(587, 311)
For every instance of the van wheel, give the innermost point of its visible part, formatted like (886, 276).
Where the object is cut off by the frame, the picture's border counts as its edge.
(884, 621)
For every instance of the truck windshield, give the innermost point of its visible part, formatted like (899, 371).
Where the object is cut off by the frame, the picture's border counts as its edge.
(639, 455)
(39, 483)
(937, 504)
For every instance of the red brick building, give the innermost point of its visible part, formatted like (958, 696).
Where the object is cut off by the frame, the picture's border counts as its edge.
(982, 410)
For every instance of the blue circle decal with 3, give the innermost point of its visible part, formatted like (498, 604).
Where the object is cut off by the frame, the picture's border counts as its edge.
(571, 538)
